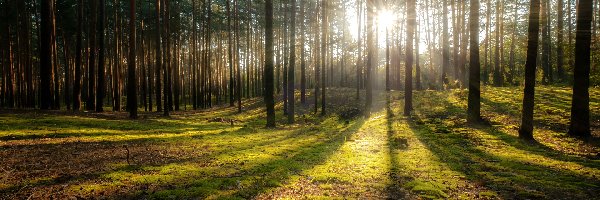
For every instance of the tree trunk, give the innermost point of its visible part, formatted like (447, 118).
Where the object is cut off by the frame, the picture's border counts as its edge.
(410, 32)
(78, 58)
(158, 66)
(513, 39)
(238, 74)
(474, 102)
(497, 73)
(370, 54)
(580, 108)
(131, 79)
(230, 53)
(325, 25)
(445, 44)
(559, 44)
(359, 57)
(47, 25)
(387, 60)
(100, 88)
(526, 130)
(302, 54)
(546, 66)
(91, 100)
(268, 74)
(292, 64)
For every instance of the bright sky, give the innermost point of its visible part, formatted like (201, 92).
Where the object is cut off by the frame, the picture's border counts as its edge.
(385, 18)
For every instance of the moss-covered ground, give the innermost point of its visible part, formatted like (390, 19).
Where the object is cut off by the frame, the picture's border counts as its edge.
(219, 154)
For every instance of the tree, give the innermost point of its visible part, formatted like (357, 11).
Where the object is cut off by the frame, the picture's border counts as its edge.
(387, 59)
(168, 98)
(325, 30)
(474, 102)
(91, 69)
(580, 107)
(269, 72)
(497, 72)
(100, 88)
(47, 25)
(559, 44)
(158, 66)
(410, 32)
(370, 54)
(546, 65)
(292, 64)
(238, 74)
(526, 130)
(131, 78)
(230, 54)
(359, 50)
(445, 44)
(302, 54)
(78, 59)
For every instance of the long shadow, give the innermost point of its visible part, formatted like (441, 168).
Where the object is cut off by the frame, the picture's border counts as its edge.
(319, 151)
(508, 177)
(250, 182)
(395, 190)
(533, 148)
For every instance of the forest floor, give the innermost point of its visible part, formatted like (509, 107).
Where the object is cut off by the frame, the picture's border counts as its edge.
(219, 154)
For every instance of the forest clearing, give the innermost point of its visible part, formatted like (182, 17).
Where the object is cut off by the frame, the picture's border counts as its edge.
(434, 154)
(299, 99)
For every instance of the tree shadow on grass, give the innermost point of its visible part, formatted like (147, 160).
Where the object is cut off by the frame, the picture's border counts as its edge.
(509, 177)
(395, 189)
(260, 176)
(253, 176)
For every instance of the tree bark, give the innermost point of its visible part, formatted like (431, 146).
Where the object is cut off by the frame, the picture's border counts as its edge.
(370, 55)
(325, 31)
(559, 44)
(78, 58)
(100, 88)
(526, 130)
(474, 102)
(292, 64)
(580, 108)
(268, 74)
(410, 32)
(47, 25)
(131, 79)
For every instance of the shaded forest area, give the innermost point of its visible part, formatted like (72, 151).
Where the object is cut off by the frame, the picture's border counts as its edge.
(270, 99)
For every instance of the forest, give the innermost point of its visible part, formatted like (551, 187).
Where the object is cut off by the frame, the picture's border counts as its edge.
(299, 99)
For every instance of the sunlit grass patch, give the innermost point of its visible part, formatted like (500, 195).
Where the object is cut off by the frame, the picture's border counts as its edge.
(220, 154)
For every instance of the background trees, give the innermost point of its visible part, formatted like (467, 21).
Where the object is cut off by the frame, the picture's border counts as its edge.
(206, 53)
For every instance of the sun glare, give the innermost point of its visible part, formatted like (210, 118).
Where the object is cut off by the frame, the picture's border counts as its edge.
(386, 18)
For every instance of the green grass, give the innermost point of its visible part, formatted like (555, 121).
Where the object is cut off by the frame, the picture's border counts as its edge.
(433, 154)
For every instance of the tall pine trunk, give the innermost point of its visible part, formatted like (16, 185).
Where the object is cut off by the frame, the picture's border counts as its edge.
(370, 54)
(410, 32)
(474, 102)
(559, 44)
(526, 130)
(268, 73)
(47, 25)
(100, 88)
(78, 58)
(292, 64)
(131, 76)
(580, 108)
(325, 25)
